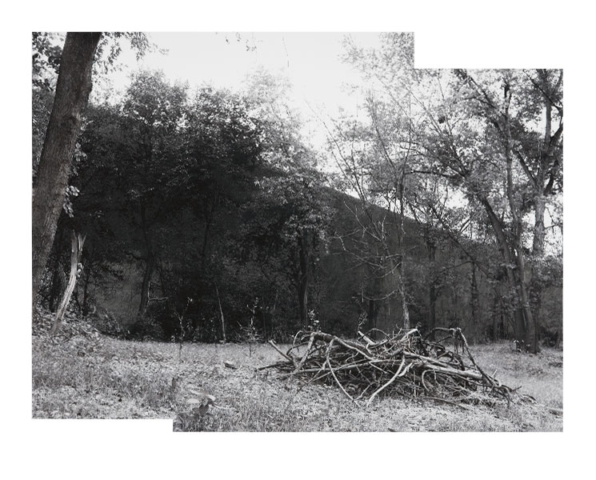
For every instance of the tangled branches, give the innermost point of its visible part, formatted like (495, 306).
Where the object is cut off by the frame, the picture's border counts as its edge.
(405, 364)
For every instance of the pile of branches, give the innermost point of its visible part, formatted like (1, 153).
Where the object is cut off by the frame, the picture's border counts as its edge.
(405, 364)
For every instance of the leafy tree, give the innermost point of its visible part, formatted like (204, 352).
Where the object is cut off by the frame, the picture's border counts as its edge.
(288, 227)
(289, 220)
(153, 112)
(480, 132)
(165, 175)
(72, 92)
(533, 164)
(125, 201)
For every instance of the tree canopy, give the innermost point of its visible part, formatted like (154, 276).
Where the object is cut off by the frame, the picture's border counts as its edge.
(210, 206)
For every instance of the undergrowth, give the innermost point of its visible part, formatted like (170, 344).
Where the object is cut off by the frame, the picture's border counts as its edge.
(91, 376)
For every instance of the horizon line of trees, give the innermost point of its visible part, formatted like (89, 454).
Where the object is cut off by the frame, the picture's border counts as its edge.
(217, 201)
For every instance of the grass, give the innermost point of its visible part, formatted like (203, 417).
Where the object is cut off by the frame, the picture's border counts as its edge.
(109, 378)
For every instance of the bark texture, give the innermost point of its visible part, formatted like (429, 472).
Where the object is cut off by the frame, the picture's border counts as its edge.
(72, 93)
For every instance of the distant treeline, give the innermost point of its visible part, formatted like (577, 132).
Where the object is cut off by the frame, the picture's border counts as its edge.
(207, 220)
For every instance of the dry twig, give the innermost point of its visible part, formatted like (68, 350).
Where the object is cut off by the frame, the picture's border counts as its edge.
(404, 364)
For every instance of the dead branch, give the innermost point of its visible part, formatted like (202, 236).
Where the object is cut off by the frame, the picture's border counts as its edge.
(404, 364)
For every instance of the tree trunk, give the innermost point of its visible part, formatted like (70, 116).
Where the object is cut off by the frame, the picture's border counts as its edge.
(510, 264)
(72, 93)
(404, 301)
(57, 286)
(538, 241)
(149, 261)
(496, 306)
(546, 163)
(517, 243)
(536, 274)
(531, 328)
(400, 242)
(432, 288)
(208, 223)
(58, 281)
(475, 306)
(75, 257)
(150, 264)
(221, 315)
(303, 280)
(85, 309)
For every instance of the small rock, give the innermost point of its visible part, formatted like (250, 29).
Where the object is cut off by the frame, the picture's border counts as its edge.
(229, 364)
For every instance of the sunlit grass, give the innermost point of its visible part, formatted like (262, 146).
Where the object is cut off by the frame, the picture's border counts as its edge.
(118, 379)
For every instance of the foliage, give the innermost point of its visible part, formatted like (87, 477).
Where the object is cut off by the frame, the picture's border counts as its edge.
(216, 196)
(488, 143)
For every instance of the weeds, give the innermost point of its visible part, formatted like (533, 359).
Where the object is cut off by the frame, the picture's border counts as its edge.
(123, 379)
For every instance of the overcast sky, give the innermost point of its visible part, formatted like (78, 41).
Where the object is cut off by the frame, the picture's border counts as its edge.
(310, 61)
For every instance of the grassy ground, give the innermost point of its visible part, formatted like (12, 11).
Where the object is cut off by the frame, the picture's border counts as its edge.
(99, 377)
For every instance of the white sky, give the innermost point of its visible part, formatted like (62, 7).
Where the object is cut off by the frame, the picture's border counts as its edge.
(310, 61)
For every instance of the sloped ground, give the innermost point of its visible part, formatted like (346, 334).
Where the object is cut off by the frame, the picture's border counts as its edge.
(90, 376)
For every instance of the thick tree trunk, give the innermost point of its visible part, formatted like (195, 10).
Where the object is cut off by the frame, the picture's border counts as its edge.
(538, 241)
(404, 301)
(531, 338)
(400, 241)
(548, 162)
(57, 287)
(58, 281)
(516, 241)
(510, 263)
(75, 257)
(72, 93)
(536, 275)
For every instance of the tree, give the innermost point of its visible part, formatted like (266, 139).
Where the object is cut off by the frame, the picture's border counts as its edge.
(510, 106)
(289, 225)
(161, 187)
(152, 115)
(72, 92)
(289, 218)
(46, 63)
(376, 159)
(480, 132)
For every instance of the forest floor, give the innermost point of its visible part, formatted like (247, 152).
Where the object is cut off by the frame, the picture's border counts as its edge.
(92, 376)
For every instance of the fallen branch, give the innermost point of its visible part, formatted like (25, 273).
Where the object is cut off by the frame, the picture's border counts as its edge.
(404, 364)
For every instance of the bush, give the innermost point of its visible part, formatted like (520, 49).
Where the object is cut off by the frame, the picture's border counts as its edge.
(144, 328)
(107, 324)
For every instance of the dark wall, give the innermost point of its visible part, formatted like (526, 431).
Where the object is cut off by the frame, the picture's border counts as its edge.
(346, 292)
